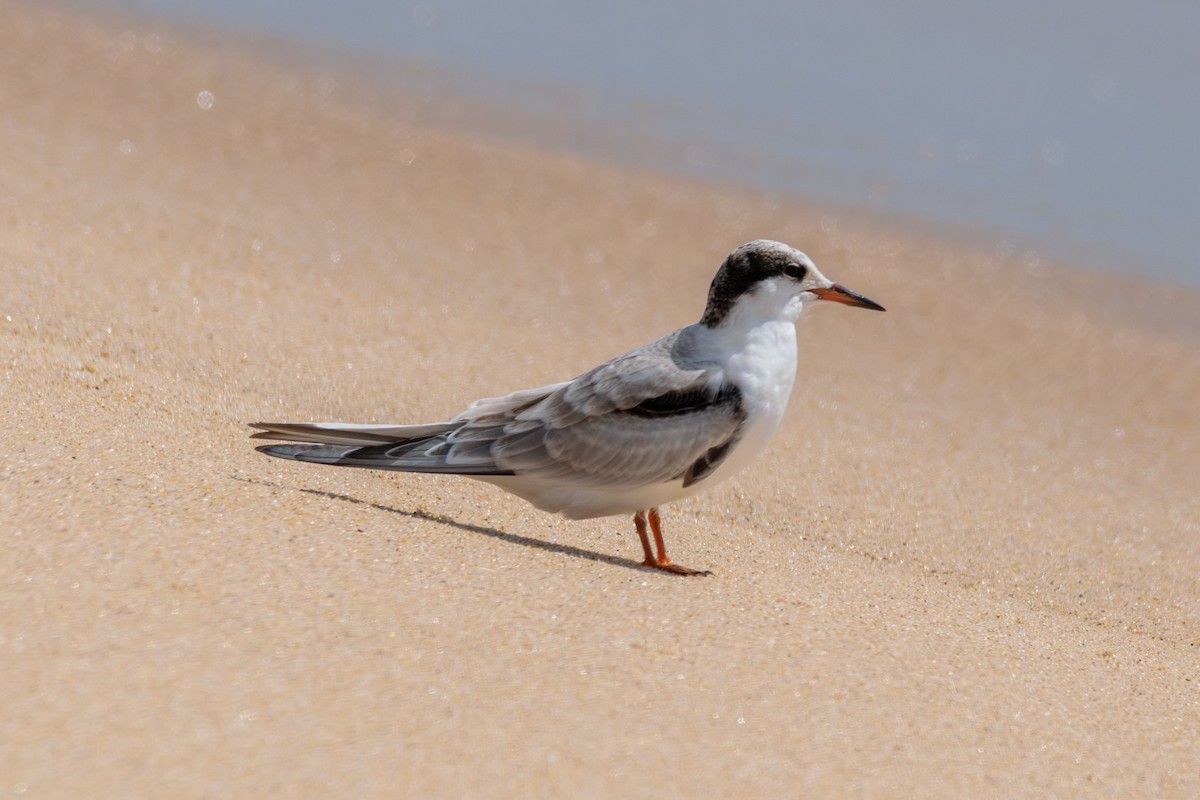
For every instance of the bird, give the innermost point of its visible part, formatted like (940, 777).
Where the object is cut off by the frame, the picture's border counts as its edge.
(650, 427)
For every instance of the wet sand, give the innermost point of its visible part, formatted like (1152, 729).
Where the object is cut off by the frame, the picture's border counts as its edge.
(968, 565)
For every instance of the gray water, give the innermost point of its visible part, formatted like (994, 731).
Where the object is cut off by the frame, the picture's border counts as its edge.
(1056, 130)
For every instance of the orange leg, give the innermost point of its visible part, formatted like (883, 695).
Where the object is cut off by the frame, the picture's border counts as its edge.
(661, 560)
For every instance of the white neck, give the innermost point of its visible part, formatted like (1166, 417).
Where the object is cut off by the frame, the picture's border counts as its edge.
(756, 347)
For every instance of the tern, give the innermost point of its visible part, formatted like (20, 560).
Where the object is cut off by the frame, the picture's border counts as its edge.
(647, 428)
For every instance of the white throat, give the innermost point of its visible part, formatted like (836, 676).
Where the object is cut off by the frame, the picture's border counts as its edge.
(756, 348)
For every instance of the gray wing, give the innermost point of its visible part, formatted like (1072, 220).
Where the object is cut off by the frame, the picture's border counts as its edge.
(648, 416)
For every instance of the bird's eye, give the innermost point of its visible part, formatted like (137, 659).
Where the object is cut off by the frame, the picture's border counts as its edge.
(795, 271)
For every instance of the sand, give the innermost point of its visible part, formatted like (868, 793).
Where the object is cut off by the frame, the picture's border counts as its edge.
(968, 565)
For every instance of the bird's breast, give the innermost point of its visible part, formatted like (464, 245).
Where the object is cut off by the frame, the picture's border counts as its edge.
(764, 368)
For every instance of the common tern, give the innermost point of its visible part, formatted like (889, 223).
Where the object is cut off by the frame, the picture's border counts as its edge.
(649, 427)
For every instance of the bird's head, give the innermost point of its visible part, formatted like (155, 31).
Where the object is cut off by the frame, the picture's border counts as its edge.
(773, 280)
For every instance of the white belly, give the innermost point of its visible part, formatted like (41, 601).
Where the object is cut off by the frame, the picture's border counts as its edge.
(584, 501)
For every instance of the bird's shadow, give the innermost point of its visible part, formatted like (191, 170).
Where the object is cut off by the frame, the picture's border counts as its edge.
(424, 516)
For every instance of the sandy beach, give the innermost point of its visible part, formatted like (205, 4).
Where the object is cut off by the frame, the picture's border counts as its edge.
(967, 566)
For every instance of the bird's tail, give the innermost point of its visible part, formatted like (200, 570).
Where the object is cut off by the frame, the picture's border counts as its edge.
(405, 448)
(347, 433)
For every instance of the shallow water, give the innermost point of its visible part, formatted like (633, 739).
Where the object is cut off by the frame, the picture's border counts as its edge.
(1055, 131)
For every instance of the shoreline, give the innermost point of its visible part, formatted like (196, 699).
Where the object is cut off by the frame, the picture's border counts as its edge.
(414, 93)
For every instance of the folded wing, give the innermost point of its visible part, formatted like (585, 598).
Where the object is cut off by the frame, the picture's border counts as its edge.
(639, 419)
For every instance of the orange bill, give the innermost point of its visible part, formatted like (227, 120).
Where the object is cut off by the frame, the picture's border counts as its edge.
(840, 294)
